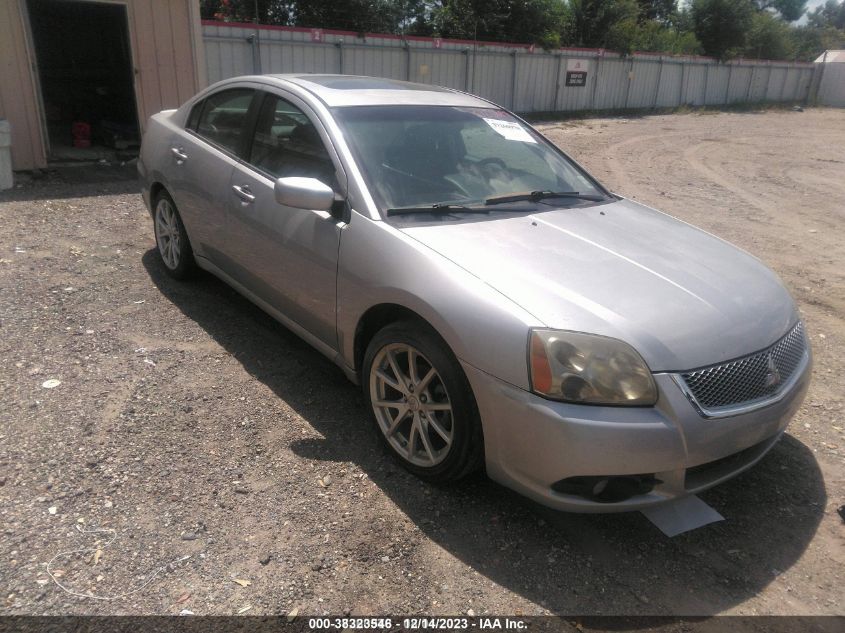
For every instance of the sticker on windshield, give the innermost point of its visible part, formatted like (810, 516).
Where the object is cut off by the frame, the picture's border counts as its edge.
(510, 130)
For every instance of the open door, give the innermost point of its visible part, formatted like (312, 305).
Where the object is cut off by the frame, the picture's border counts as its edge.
(85, 75)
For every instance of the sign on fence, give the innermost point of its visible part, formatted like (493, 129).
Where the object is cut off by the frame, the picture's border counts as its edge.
(576, 72)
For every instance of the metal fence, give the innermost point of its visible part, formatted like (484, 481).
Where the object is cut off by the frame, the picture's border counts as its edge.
(516, 76)
(829, 84)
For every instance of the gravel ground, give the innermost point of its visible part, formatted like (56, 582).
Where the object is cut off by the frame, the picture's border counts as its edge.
(191, 424)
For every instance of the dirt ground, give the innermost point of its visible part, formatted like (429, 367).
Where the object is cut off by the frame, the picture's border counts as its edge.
(191, 424)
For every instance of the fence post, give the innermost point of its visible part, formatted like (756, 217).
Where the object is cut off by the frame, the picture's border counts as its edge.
(513, 81)
(681, 90)
(728, 86)
(340, 56)
(750, 83)
(466, 70)
(557, 82)
(657, 87)
(256, 53)
(630, 80)
(596, 81)
(797, 85)
(818, 84)
(783, 84)
(706, 84)
(407, 61)
(768, 79)
(474, 68)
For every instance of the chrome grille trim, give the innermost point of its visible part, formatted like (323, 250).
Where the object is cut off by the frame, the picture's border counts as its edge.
(750, 382)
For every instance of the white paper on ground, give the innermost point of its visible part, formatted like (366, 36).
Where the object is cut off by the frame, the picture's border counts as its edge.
(510, 130)
(682, 515)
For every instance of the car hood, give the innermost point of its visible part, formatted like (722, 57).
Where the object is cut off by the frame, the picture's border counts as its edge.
(682, 297)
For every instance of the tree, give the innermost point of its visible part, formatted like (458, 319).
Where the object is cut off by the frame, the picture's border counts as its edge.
(722, 28)
(269, 11)
(769, 38)
(721, 25)
(530, 21)
(829, 14)
(660, 10)
(789, 10)
(602, 23)
(376, 16)
(653, 36)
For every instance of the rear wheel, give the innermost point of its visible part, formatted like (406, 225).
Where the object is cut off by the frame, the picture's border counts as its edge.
(422, 403)
(174, 248)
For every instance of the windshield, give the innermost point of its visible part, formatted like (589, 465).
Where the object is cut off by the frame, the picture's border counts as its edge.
(420, 156)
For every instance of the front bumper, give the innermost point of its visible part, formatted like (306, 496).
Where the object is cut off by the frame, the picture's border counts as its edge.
(530, 442)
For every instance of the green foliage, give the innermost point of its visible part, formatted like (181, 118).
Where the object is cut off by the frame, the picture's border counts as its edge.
(531, 21)
(659, 10)
(825, 30)
(603, 23)
(721, 25)
(721, 28)
(656, 38)
(809, 42)
(789, 10)
(831, 14)
(769, 38)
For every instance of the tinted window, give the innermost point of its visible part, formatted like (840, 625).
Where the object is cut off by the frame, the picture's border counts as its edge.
(424, 155)
(194, 117)
(287, 143)
(224, 117)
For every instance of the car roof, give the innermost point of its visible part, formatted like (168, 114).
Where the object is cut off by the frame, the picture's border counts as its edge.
(355, 90)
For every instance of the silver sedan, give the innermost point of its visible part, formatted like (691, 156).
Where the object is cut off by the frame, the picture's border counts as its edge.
(498, 306)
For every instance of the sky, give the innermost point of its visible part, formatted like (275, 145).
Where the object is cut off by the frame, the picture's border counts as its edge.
(811, 4)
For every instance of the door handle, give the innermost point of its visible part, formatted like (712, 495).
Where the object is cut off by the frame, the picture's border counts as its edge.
(180, 154)
(244, 193)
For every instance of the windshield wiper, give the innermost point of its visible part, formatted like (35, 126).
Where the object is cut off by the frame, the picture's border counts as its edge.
(536, 196)
(441, 207)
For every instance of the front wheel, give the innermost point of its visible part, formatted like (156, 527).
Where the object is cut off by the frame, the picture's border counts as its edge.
(422, 403)
(174, 248)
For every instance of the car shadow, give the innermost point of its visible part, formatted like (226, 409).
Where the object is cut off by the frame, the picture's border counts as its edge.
(567, 563)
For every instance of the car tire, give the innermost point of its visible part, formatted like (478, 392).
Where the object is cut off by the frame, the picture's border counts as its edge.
(172, 243)
(431, 393)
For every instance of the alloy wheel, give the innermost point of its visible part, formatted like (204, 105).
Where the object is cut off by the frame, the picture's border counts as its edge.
(168, 233)
(411, 405)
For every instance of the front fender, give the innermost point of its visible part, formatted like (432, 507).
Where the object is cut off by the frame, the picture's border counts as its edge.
(380, 265)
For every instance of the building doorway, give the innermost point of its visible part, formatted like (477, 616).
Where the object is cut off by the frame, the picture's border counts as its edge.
(86, 78)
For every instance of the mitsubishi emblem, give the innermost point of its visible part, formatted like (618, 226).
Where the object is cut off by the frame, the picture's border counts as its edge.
(772, 375)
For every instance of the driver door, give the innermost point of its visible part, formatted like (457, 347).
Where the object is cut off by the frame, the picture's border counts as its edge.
(286, 256)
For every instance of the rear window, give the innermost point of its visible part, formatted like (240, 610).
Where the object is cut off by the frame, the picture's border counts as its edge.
(223, 118)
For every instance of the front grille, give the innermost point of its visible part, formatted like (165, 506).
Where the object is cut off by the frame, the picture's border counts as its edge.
(745, 380)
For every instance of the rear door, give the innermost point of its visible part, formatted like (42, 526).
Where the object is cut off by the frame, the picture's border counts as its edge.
(203, 157)
(288, 256)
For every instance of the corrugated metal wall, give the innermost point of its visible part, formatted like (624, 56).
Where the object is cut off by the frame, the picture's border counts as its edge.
(516, 77)
(167, 53)
(831, 84)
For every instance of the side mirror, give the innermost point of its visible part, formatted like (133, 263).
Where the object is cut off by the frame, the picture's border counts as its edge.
(304, 193)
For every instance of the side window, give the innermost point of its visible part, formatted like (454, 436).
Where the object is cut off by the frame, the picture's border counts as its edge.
(223, 118)
(286, 143)
(194, 117)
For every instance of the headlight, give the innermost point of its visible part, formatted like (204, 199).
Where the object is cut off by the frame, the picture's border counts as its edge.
(588, 369)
